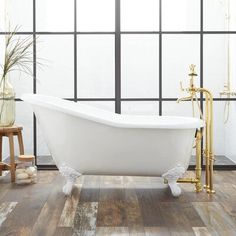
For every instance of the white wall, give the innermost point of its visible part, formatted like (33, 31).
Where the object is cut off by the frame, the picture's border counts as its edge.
(139, 53)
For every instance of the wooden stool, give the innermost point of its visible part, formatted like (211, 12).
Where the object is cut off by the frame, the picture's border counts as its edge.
(10, 132)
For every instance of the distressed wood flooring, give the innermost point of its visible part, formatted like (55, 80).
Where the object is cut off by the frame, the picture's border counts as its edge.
(105, 205)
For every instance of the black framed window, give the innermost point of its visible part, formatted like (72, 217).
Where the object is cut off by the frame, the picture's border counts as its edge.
(128, 56)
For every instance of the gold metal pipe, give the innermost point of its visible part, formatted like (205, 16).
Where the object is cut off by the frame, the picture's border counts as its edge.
(209, 140)
(211, 156)
(188, 180)
(198, 169)
(206, 150)
(210, 189)
(184, 180)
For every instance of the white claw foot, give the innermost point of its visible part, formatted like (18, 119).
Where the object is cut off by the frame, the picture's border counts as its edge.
(67, 188)
(172, 176)
(175, 189)
(70, 175)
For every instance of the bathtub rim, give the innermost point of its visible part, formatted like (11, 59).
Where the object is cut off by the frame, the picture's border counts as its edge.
(110, 118)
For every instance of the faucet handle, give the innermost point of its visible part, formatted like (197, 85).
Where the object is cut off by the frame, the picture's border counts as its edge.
(192, 70)
(192, 75)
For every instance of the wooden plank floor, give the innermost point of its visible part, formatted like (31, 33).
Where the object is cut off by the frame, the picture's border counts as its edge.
(105, 205)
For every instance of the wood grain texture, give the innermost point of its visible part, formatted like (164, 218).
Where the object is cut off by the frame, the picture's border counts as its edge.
(20, 142)
(63, 231)
(230, 207)
(4, 186)
(46, 177)
(111, 214)
(149, 208)
(10, 132)
(91, 189)
(114, 231)
(85, 218)
(31, 199)
(227, 191)
(136, 231)
(0, 153)
(133, 212)
(124, 206)
(216, 219)
(111, 188)
(69, 210)
(12, 157)
(201, 231)
(176, 215)
(51, 211)
(5, 209)
(156, 231)
(23, 231)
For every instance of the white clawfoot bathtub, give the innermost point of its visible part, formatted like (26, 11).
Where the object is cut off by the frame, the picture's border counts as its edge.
(87, 140)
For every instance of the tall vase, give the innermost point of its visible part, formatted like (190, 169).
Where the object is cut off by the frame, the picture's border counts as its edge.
(7, 103)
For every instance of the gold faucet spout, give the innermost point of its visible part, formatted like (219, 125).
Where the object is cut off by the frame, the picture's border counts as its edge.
(184, 99)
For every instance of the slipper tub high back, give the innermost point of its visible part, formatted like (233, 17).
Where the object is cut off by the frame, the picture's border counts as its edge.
(87, 140)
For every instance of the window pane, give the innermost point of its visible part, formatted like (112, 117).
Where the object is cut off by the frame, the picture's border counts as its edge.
(219, 129)
(56, 75)
(42, 147)
(139, 66)
(2, 51)
(179, 51)
(22, 82)
(232, 22)
(230, 131)
(172, 108)
(96, 66)
(17, 13)
(181, 15)
(24, 117)
(219, 15)
(215, 63)
(107, 105)
(140, 108)
(224, 134)
(55, 15)
(139, 15)
(43, 154)
(232, 60)
(94, 15)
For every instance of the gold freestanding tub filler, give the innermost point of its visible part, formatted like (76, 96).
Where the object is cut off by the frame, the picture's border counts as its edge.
(205, 134)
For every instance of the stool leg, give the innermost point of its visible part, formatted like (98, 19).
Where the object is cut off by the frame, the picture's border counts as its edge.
(20, 141)
(12, 157)
(0, 153)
